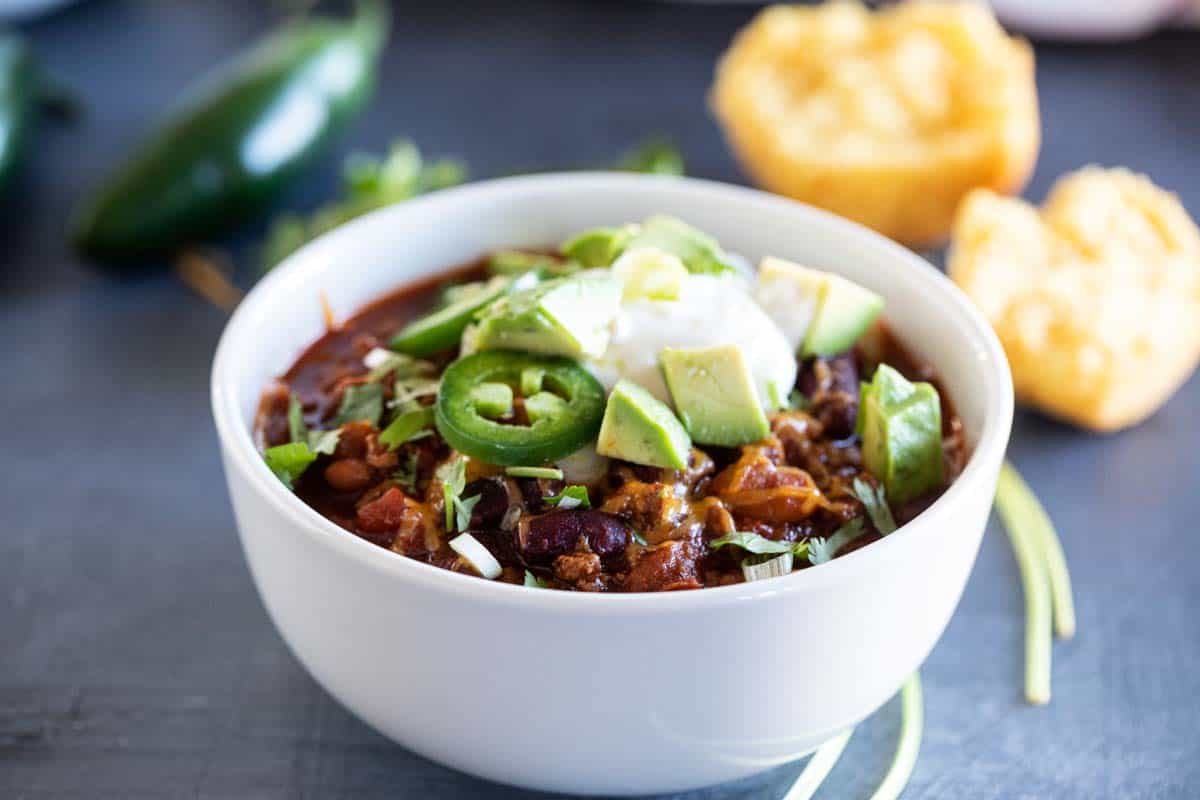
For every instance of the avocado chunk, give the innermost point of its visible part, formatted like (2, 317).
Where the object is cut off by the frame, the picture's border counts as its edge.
(901, 427)
(698, 251)
(714, 394)
(640, 428)
(822, 314)
(569, 316)
(598, 247)
(650, 274)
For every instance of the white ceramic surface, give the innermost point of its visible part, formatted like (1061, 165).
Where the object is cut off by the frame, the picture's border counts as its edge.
(612, 694)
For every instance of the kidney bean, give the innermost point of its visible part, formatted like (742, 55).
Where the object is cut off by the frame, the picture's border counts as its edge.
(493, 502)
(543, 537)
(831, 384)
(349, 475)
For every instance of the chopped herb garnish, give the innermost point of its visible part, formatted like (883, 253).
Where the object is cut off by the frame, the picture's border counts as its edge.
(549, 473)
(295, 417)
(368, 182)
(324, 442)
(406, 475)
(410, 389)
(875, 501)
(363, 402)
(775, 396)
(573, 496)
(798, 401)
(657, 155)
(462, 511)
(822, 550)
(399, 364)
(288, 461)
(453, 475)
(757, 544)
(533, 581)
(637, 537)
(407, 426)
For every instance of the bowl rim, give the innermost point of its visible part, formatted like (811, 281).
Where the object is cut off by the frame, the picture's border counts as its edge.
(242, 455)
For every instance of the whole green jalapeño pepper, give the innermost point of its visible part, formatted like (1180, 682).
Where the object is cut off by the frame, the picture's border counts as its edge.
(565, 413)
(18, 102)
(230, 149)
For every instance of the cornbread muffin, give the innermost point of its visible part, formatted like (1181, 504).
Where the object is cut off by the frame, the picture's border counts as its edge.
(888, 118)
(1095, 297)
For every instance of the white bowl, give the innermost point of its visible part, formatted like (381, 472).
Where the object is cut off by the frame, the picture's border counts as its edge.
(603, 694)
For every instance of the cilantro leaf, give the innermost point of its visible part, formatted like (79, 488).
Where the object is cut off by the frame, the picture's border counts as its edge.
(363, 402)
(407, 426)
(756, 544)
(288, 461)
(657, 155)
(368, 182)
(822, 550)
(406, 474)
(875, 501)
(573, 496)
(399, 364)
(321, 442)
(295, 417)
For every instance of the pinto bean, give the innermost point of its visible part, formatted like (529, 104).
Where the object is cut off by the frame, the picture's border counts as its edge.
(543, 537)
(349, 475)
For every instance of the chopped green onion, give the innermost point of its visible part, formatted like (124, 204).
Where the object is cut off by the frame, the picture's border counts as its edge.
(407, 426)
(534, 582)
(453, 476)
(908, 745)
(363, 402)
(1032, 513)
(409, 389)
(637, 537)
(775, 396)
(1036, 583)
(288, 461)
(462, 511)
(757, 568)
(492, 399)
(475, 554)
(531, 380)
(875, 501)
(822, 550)
(382, 363)
(544, 404)
(818, 767)
(574, 496)
(549, 473)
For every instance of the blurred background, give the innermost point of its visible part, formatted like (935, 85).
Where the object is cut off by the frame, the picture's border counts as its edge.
(136, 658)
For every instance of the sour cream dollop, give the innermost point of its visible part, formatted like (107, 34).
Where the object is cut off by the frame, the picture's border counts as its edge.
(710, 311)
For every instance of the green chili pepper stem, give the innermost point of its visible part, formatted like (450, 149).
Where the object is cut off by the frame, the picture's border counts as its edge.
(241, 136)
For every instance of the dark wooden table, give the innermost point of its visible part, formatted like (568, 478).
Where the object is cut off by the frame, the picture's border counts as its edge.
(136, 660)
